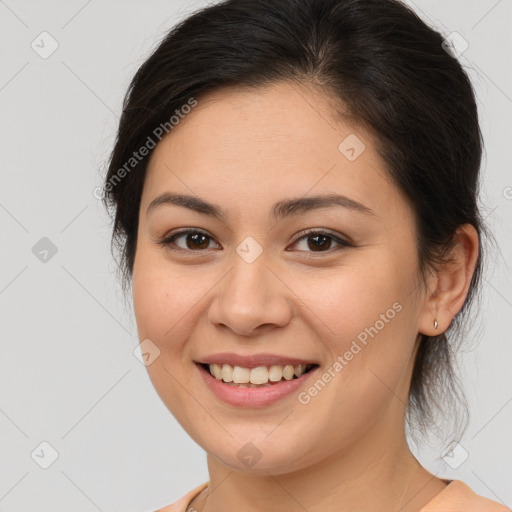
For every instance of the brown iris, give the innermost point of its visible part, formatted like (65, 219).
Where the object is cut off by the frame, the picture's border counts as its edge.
(197, 241)
(320, 242)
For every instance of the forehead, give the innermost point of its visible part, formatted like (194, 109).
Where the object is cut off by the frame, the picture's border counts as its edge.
(283, 120)
(262, 142)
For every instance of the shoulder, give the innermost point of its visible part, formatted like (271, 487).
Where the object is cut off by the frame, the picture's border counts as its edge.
(459, 497)
(182, 504)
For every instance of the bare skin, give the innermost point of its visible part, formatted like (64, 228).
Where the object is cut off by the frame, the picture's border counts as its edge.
(345, 449)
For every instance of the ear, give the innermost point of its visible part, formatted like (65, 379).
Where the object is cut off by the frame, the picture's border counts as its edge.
(448, 288)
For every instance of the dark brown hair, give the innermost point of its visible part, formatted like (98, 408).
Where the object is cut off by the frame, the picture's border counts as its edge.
(395, 77)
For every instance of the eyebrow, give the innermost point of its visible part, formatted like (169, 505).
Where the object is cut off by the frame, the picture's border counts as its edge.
(281, 209)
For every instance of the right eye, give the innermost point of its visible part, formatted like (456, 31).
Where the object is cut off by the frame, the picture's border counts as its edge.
(193, 240)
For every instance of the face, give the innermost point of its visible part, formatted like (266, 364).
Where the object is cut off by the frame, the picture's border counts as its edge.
(300, 252)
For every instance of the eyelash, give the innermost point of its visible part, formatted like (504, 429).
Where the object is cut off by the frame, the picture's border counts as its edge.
(167, 242)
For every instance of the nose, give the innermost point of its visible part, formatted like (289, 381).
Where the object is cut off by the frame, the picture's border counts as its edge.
(251, 299)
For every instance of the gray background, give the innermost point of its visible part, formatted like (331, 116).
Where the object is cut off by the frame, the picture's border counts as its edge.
(68, 375)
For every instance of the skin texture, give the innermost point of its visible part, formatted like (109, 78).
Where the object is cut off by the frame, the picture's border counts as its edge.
(244, 150)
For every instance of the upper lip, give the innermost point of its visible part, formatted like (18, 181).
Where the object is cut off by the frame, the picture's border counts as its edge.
(253, 361)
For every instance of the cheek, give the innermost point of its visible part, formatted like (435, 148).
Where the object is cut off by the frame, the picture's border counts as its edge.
(163, 298)
(342, 302)
(163, 305)
(364, 314)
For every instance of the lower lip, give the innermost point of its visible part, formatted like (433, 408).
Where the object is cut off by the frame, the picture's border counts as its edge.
(253, 397)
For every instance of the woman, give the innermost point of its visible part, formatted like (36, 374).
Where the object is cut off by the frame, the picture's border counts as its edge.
(295, 191)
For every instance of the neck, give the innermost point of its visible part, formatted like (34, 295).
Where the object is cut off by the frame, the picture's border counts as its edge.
(381, 474)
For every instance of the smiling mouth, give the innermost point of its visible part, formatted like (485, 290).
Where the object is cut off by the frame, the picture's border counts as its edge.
(261, 376)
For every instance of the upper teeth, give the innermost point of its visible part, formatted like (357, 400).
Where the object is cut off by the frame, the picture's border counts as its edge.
(259, 375)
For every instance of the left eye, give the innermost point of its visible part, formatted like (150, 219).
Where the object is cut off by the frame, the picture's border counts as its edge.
(320, 241)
